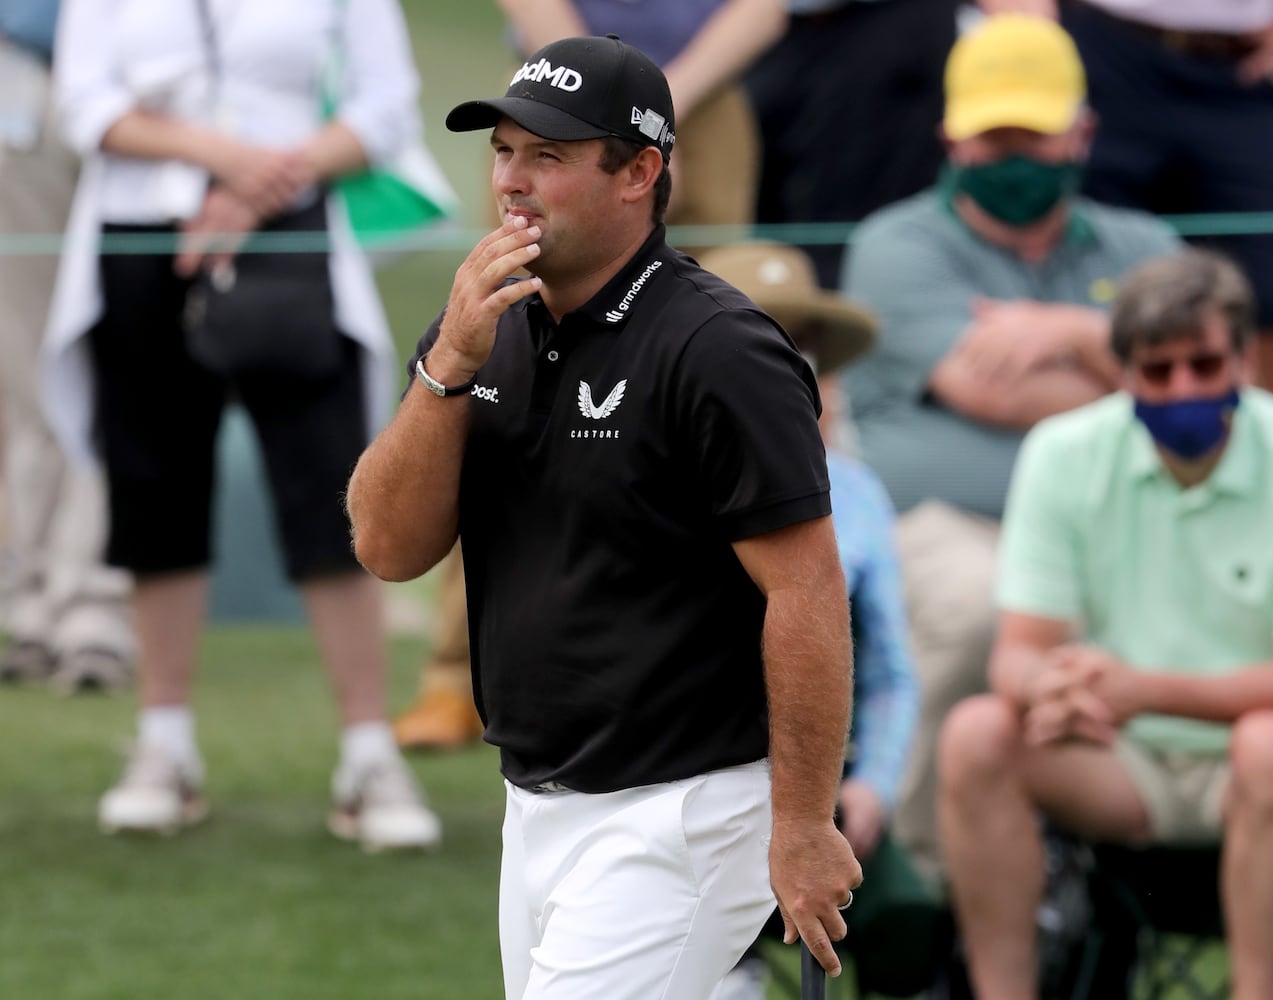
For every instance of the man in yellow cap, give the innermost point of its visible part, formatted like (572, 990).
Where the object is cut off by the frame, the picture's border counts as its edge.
(991, 293)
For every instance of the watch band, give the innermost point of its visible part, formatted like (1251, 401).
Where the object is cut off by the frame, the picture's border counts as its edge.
(436, 387)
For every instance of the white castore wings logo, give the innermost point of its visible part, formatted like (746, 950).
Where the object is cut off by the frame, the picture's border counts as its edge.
(608, 405)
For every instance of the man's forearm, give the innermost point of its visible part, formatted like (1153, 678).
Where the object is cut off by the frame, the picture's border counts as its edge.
(1018, 404)
(403, 497)
(732, 37)
(809, 676)
(334, 151)
(1222, 698)
(151, 136)
(1013, 670)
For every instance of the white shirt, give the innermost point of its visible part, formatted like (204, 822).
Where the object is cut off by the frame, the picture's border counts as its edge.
(113, 56)
(1237, 17)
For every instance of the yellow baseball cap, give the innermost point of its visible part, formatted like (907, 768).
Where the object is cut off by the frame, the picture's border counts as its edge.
(1013, 70)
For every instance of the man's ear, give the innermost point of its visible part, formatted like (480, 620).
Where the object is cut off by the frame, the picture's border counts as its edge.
(641, 172)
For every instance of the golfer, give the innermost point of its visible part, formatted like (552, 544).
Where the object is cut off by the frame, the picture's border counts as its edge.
(628, 449)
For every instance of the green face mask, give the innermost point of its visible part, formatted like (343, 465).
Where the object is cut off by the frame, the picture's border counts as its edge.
(1017, 190)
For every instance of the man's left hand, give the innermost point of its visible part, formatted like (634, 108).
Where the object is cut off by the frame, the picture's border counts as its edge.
(813, 871)
(1117, 685)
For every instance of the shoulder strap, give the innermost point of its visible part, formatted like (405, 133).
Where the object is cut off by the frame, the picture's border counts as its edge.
(333, 82)
(211, 48)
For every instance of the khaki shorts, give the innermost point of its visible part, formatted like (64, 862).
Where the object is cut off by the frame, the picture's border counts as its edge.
(1184, 793)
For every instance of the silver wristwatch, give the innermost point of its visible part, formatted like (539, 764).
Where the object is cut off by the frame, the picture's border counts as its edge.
(436, 387)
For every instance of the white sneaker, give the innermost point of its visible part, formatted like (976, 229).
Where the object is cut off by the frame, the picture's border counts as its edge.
(745, 981)
(158, 793)
(381, 807)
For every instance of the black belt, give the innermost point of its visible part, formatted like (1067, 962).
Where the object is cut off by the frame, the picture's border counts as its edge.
(1205, 44)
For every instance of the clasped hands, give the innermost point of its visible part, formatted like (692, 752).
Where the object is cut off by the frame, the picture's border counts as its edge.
(1080, 693)
(250, 185)
(1005, 339)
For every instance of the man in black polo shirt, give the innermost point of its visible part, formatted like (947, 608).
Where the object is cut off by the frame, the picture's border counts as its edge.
(629, 450)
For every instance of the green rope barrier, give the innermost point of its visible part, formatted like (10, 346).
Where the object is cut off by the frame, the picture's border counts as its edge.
(462, 239)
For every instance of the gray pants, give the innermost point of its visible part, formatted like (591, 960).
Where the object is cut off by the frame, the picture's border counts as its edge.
(948, 568)
(61, 595)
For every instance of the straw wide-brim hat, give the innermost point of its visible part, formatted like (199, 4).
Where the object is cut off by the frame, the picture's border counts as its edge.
(781, 280)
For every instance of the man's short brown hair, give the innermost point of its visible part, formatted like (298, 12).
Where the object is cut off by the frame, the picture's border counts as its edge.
(618, 153)
(1170, 297)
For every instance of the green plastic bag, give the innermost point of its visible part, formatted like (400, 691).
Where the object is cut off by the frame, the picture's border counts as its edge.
(391, 201)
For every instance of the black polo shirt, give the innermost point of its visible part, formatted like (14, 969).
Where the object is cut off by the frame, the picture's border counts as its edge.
(611, 461)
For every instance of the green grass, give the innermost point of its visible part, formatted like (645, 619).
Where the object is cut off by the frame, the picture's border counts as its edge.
(260, 901)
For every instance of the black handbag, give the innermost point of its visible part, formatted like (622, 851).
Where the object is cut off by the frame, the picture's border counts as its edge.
(267, 314)
(264, 314)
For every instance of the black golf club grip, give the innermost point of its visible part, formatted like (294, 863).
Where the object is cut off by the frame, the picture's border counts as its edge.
(813, 978)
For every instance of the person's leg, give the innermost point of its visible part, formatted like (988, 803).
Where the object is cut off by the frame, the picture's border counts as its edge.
(93, 635)
(312, 432)
(36, 186)
(1247, 866)
(992, 789)
(157, 414)
(518, 920)
(169, 610)
(157, 417)
(346, 612)
(665, 913)
(948, 567)
(716, 162)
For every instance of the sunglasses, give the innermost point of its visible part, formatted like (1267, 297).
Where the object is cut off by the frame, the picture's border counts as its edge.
(1203, 366)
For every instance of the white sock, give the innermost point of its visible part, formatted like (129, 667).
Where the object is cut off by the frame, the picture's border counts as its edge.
(366, 743)
(169, 728)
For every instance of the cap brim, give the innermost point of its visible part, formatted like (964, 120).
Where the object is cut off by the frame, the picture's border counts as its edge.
(1044, 113)
(542, 119)
(846, 332)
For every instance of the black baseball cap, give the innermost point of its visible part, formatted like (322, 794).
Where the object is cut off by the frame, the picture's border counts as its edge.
(581, 88)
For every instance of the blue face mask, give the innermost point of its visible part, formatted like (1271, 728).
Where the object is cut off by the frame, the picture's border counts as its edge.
(1189, 427)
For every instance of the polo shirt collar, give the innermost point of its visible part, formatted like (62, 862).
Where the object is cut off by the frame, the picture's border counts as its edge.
(614, 304)
(1237, 472)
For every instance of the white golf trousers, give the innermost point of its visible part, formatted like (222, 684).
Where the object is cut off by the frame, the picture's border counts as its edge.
(649, 893)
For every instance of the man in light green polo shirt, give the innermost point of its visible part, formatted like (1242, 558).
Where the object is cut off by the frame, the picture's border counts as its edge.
(991, 294)
(1132, 672)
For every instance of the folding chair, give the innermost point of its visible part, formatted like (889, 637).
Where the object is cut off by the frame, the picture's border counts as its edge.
(1165, 903)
